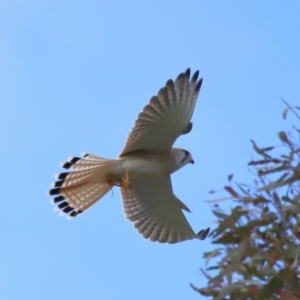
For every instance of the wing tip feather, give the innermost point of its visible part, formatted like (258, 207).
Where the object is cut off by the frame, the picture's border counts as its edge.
(84, 154)
(198, 85)
(203, 233)
(188, 73)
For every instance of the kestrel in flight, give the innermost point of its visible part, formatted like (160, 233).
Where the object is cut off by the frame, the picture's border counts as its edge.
(142, 170)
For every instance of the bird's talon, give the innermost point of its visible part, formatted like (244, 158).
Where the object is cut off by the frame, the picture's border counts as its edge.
(125, 183)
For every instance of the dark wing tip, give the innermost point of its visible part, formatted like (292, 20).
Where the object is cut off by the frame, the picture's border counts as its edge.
(198, 86)
(188, 73)
(180, 77)
(195, 76)
(188, 128)
(202, 234)
(170, 83)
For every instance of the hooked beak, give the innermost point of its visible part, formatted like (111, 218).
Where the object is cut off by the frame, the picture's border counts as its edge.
(192, 161)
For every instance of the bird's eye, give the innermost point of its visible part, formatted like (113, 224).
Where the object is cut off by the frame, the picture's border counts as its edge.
(186, 153)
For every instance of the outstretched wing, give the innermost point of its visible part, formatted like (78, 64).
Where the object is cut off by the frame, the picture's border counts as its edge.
(167, 116)
(156, 211)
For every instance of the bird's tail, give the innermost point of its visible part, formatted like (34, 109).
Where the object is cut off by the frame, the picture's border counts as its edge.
(86, 183)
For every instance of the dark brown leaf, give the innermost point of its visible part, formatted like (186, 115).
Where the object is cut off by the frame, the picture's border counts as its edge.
(264, 162)
(231, 191)
(283, 137)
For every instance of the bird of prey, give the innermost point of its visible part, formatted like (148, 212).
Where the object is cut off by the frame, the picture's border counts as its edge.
(142, 170)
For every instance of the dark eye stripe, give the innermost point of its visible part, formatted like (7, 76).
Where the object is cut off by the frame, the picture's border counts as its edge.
(186, 153)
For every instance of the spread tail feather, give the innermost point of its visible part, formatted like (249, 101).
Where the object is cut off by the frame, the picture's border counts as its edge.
(77, 190)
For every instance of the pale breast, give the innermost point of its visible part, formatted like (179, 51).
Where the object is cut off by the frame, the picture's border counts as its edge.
(146, 162)
(135, 166)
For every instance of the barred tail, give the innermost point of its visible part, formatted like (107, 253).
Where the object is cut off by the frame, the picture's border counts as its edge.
(75, 191)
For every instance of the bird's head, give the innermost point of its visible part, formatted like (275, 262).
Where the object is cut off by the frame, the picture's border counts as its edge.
(182, 157)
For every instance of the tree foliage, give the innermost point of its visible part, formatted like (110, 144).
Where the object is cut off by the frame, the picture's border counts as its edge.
(258, 240)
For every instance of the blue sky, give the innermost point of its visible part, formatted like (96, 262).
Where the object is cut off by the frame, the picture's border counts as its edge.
(73, 77)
